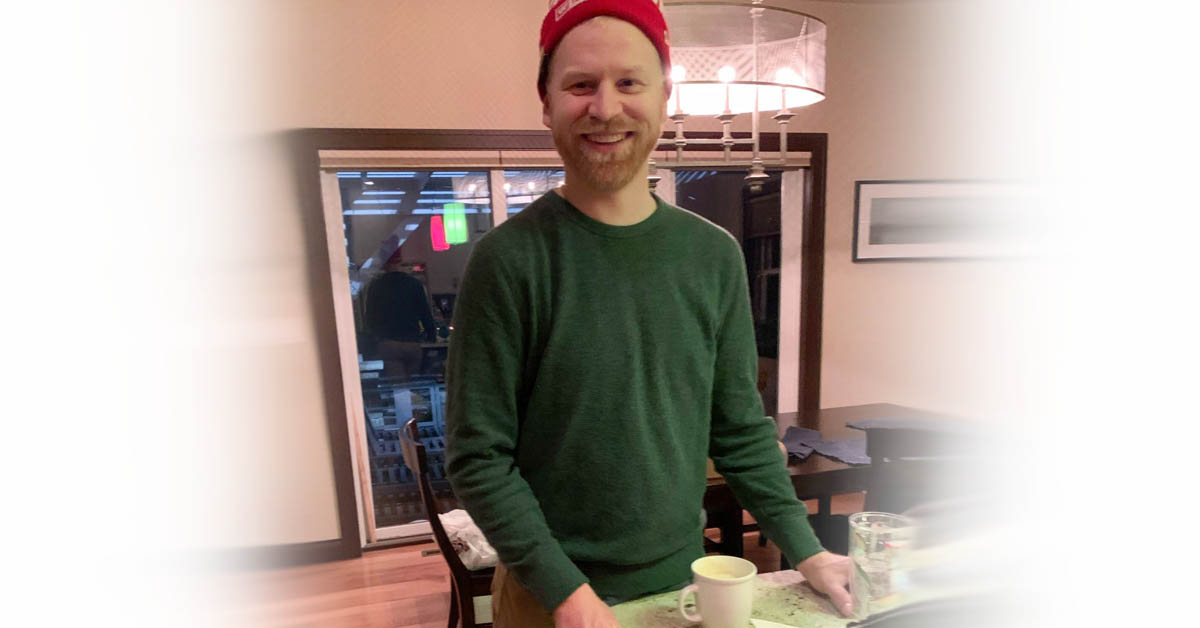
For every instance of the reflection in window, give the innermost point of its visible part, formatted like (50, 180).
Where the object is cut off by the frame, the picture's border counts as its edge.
(754, 220)
(408, 237)
(522, 187)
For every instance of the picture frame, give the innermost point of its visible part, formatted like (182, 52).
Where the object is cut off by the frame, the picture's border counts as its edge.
(909, 220)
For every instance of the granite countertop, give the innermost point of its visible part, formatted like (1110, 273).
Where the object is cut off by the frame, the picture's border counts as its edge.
(780, 596)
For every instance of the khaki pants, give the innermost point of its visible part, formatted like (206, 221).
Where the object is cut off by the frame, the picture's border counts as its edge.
(513, 606)
(400, 359)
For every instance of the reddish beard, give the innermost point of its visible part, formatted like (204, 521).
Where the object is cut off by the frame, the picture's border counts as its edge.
(605, 171)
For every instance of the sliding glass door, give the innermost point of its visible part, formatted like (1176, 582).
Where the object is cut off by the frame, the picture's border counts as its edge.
(407, 235)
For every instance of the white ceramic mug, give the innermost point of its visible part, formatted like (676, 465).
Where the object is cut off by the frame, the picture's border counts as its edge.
(724, 588)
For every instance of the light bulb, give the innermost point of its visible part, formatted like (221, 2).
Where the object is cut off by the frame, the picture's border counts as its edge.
(471, 188)
(532, 185)
(786, 76)
(507, 187)
(726, 74)
(678, 73)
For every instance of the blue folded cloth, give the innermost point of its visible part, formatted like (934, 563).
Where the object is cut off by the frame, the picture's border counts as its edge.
(802, 441)
(847, 451)
(796, 439)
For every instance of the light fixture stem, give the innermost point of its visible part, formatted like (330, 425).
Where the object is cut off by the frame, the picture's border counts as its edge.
(680, 140)
(783, 141)
(726, 136)
(783, 117)
(755, 15)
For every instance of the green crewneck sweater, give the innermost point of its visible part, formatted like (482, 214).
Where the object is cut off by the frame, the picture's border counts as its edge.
(592, 369)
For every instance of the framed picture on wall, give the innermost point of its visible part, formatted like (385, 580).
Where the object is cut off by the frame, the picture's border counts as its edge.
(921, 220)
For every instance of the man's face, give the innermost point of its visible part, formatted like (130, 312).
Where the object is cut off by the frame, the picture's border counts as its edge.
(606, 98)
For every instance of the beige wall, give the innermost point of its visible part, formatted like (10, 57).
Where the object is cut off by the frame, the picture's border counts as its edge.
(899, 106)
(906, 89)
(404, 63)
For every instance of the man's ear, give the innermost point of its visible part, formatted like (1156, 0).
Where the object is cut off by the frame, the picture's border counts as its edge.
(546, 110)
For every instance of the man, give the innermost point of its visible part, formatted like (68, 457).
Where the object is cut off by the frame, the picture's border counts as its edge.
(398, 316)
(603, 348)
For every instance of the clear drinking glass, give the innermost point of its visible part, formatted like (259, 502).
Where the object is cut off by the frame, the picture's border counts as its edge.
(879, 543)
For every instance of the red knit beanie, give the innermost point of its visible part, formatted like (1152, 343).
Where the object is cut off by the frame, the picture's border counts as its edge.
(567, 14)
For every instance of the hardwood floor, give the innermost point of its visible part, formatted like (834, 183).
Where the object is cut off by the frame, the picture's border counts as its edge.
(389, 588)
(395, 587)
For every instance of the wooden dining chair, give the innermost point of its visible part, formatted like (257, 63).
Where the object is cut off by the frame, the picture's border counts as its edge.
(465, 584)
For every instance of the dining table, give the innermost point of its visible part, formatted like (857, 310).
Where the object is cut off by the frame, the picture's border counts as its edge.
(815, 477)
(783, 596)
(780, 596)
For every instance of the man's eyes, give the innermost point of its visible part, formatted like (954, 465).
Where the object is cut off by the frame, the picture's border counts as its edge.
(625, 85)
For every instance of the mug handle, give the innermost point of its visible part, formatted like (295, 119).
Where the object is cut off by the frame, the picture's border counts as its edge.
(689, 589)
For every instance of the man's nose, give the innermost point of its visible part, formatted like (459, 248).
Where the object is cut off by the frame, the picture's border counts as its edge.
(606, 102)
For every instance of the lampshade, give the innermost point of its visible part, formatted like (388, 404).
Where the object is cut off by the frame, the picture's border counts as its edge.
(713, 54)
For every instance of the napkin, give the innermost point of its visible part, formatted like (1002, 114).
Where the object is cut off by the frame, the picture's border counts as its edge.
(847, 451)
(796, 439)
(802, 441)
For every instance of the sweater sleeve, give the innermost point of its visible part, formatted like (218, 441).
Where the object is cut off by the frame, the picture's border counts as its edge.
(488, 350)
(743, 442)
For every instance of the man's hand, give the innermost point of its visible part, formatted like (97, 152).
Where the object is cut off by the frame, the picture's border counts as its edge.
(829, 573)
(584, 609)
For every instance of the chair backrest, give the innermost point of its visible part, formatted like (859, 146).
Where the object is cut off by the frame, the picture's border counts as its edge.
(417, 462)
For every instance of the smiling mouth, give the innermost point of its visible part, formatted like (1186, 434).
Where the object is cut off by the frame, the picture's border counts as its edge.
(607, 138)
